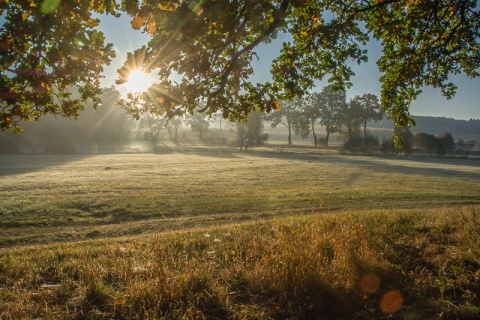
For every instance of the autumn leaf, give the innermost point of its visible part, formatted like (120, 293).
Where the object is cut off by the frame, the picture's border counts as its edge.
(152, 28)
(137, 22)
(168, 7)
(276, 105)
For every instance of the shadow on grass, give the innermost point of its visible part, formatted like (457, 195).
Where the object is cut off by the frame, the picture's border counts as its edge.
(402, 164)
(199, 150)
(19, 164)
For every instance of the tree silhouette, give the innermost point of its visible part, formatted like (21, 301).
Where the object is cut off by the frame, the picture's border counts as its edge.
(332, 105)
(291, 116)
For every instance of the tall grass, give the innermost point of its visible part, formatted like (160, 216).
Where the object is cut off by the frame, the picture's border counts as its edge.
(400, 264)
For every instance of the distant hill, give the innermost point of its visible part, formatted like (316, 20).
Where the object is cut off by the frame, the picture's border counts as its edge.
(438, 125)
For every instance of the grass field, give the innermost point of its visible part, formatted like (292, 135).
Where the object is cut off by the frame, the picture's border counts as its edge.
(214, 233)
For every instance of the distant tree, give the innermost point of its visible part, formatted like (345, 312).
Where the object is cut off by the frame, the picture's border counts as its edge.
(172, 127)
(440, 145)
(332, 104)
(250, 132)
(465, 146)
(241, 134)
(405, 140)
(311, 105)
(366, 108)
(198, 122)
(425, 141)
(350, 118)
(448, 142)
(290, 116)
(152, 125)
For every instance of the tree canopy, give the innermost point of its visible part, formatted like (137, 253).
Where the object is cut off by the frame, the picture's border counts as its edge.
(49, 52)
(49, 47)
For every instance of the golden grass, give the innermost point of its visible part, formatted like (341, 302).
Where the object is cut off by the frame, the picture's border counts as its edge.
(414, 264)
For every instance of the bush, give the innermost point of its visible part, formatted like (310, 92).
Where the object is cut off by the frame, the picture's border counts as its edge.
(366, 145)
(321, 142)
(387, 146)
(441, 145)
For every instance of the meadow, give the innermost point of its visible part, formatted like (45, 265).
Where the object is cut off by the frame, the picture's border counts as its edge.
(273, 233)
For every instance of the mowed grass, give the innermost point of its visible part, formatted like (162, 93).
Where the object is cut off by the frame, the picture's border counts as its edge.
(216, 234)
(58, 198)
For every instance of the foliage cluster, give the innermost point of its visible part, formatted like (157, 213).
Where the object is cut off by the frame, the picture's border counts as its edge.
(52, 49)
(250, 133)
(441, 145)
(377, 264)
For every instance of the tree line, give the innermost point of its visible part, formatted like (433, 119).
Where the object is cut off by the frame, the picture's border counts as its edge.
(113, 127)
(330, 109)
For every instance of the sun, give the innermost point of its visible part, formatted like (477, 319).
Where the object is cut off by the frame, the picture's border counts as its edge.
(138, 81)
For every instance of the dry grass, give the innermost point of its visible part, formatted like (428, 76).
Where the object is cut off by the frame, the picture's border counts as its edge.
(413, 264)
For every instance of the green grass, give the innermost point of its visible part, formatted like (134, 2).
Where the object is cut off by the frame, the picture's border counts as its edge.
(64, 197)
(269, 234)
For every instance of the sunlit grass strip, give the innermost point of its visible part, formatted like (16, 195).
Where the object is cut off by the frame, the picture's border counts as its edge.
(46, 199)
(416, 264)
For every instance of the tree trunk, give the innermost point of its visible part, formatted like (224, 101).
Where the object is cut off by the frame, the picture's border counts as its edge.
(289, 126)
(289, 136)
(313, 132)
(326, 138)
(365, 129)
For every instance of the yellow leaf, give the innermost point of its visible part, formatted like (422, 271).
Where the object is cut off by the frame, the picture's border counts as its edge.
(166, 7)
(276, 105)
(137, 22)
(152, 28)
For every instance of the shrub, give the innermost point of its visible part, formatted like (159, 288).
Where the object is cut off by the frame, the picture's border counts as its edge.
(322, 142)
(366, 145)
